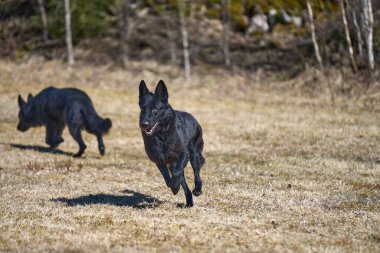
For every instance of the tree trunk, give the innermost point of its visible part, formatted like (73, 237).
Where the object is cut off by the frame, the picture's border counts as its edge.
(358, 33)
(313, 37)
(185, 43)
(226, 5)
(172, 44)
(367, 30)
(69, 41)
(348, 39)
(43, 20)
(125, 31)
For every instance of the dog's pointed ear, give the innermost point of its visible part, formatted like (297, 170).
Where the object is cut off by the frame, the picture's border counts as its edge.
(21, 101)
(161, 92)
(30, 97)
(143, 89)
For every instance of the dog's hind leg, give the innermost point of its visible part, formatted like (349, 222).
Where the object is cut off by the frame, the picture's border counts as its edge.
(188, 195)
(196, 161)
(77, 135)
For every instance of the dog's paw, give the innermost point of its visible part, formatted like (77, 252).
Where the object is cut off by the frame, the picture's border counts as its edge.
(59, 140)
(175, 184)
(175, 190)
(102, 150)
(197, 192)
(79, 154)
(53, 146)
(55, 143)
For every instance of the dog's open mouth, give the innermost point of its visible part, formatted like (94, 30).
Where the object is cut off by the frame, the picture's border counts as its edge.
(150, 130)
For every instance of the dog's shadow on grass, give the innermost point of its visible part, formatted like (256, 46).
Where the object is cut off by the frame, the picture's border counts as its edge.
(130, 199)
(40, 149)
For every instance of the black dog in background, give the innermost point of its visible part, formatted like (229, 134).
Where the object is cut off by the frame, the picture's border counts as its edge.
(54, 108)
(171, 139)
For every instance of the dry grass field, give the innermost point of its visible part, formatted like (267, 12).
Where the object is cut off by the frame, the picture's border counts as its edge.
(284, 172)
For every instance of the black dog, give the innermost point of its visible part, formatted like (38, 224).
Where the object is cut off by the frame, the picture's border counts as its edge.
(54, 108)
(171, 139)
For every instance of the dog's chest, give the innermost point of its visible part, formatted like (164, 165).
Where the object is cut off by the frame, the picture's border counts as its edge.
(160, 149)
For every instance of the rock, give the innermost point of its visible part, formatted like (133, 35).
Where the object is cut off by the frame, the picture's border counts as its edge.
(285, 18)
(259, 23)
(297, 21)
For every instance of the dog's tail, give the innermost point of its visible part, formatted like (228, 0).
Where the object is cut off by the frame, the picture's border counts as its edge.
(95, 123)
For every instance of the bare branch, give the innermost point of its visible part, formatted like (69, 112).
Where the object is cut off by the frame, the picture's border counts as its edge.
(313, 37)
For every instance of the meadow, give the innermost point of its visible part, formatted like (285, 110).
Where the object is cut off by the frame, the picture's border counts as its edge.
(285, 172)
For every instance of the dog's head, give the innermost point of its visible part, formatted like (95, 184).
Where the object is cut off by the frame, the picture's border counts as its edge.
(26, 114)
(155, 109)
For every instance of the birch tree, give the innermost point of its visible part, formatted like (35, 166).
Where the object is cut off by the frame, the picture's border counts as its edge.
(185, 42)
(226, 5)
(366, 18)
(69, 41)
(358, 33)
(348, 38)
(313, 36)
(41, 7)
(172, 39)
(125, 32)
(126, 13)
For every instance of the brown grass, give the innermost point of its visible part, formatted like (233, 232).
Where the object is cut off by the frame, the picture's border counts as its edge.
(284, 172)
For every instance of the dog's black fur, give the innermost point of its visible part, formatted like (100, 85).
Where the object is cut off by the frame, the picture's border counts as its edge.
(171, 139)
(54, 108)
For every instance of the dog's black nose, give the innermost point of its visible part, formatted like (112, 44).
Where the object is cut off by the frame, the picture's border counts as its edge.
(144, 124)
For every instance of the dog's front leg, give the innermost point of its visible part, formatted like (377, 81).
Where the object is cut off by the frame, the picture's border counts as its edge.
(53, 134)
(177, 173)
(164, 172)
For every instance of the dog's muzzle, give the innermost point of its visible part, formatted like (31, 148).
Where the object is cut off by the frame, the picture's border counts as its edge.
(148, 130)
(22, 128)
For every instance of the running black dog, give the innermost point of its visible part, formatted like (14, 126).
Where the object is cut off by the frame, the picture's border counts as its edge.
(171, 139)
(54, 108)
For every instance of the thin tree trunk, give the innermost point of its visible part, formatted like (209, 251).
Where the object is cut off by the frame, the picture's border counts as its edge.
(125, 32)
(367, 29)
(43, 20)
(69, 41)
(358, 33)
(317, 54)
(185, 43)
(172, 45)
(226, 4)
(348, 39)
(313, 37)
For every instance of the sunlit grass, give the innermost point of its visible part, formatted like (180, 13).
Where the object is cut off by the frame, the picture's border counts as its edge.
(283, 172)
